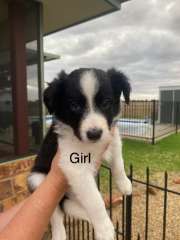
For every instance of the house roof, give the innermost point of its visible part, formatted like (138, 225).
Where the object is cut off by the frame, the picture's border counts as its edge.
(59, 15)
(31, 57)
(167, 88)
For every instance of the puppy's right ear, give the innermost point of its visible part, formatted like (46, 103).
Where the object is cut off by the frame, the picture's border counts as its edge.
(52, 90)
(120, 84)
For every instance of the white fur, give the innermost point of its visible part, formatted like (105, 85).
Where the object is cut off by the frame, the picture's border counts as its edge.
(81, 177)
(89, 85)
(35, 179)
(72, 207)
(85, 200)
(113, 155)
(57, 225)
(92, 118)
(70, 143)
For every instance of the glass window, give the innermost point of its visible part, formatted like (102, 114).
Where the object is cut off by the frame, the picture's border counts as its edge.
(35, 128)
(6, 109)
(6, 102)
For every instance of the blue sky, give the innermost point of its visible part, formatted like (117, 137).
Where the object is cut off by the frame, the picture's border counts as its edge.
(142, 40)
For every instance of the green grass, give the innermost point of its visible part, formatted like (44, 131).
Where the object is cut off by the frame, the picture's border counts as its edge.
(163, 156)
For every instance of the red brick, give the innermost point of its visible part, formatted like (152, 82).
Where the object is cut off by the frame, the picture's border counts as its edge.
(5, 189)
(22, 195)
(15, 167)
(20, 182)
(9, 202)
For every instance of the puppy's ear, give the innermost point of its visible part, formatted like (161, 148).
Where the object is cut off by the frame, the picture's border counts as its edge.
(52, 90)
(120, 83)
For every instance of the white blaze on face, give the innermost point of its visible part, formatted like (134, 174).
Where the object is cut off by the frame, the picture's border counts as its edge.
(92, 118)
(89, 85)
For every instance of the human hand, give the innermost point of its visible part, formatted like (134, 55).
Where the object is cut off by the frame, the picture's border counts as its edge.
(56, 169)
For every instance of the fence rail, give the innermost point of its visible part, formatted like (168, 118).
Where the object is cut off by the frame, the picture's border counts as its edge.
(124, 223)
(149, 120)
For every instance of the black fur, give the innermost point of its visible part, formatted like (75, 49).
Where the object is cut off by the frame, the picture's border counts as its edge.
(47, 152)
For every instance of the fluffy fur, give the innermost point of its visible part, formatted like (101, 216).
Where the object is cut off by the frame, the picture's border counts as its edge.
(84, 104)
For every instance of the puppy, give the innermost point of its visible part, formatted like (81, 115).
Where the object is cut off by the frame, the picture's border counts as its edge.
(84, 104)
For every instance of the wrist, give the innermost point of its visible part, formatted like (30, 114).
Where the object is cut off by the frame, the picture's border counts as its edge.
(57, 178)
(49, 192)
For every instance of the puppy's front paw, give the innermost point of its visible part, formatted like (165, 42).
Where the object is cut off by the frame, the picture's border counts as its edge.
(125, 186)
(59, 237)
(105, 231)
(59, 233)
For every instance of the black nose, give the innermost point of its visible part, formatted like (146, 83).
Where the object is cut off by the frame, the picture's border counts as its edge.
(94, 134)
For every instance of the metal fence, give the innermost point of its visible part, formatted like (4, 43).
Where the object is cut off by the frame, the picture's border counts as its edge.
(130, 224)
(149, 120)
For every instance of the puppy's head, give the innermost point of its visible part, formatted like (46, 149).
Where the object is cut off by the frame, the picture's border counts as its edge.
(87, 100)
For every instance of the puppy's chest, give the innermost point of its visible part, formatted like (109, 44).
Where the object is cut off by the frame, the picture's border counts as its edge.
(80, 155)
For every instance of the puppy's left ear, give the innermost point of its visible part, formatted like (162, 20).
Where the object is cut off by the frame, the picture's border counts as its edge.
(54, 90)
(120, 84)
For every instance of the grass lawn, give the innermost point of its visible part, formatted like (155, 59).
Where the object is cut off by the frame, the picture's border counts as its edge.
(163, 156)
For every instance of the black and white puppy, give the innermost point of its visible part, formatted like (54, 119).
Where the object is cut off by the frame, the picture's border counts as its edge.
(84, 104)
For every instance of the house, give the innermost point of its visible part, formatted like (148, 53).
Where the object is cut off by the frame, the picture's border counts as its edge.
(169, 107)
(22, 116)
(22, 27)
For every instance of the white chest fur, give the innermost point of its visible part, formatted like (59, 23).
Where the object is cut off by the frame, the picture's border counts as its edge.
(79, 155)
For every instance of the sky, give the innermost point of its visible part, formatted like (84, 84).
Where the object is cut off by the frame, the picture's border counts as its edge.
(142, 40)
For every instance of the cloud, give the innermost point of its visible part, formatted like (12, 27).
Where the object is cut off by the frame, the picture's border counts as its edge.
(142, 40)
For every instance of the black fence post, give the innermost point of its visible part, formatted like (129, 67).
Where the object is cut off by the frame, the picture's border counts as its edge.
(110, 193)
(165, 205)
(138, 238)
(153, 120)
(123, 218)
(129, 211)
(147, 205)
(176, 115)
(117, 230)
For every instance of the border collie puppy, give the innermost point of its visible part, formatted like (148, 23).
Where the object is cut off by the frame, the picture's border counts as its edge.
(84, 104)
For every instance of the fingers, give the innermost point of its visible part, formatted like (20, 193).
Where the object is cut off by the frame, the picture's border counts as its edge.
(56, 159)
(58, 154)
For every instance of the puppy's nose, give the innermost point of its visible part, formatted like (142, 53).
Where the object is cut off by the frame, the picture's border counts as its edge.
(94, 134)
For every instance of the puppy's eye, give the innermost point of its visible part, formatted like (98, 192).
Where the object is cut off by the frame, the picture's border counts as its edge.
(75, 107)
(106, 103)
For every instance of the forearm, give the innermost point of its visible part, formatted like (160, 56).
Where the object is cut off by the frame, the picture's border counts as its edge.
(7, 216)
(32, 219)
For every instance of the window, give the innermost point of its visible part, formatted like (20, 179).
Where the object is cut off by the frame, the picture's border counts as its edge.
(8, 112)
(6, 108)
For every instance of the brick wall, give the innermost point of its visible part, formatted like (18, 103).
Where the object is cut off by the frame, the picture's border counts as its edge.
(13, 187)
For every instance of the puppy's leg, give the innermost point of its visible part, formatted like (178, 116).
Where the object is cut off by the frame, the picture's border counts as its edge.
(34, 180)
(57, 225)
(73, 208)
(85, 189)
(113, 155)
